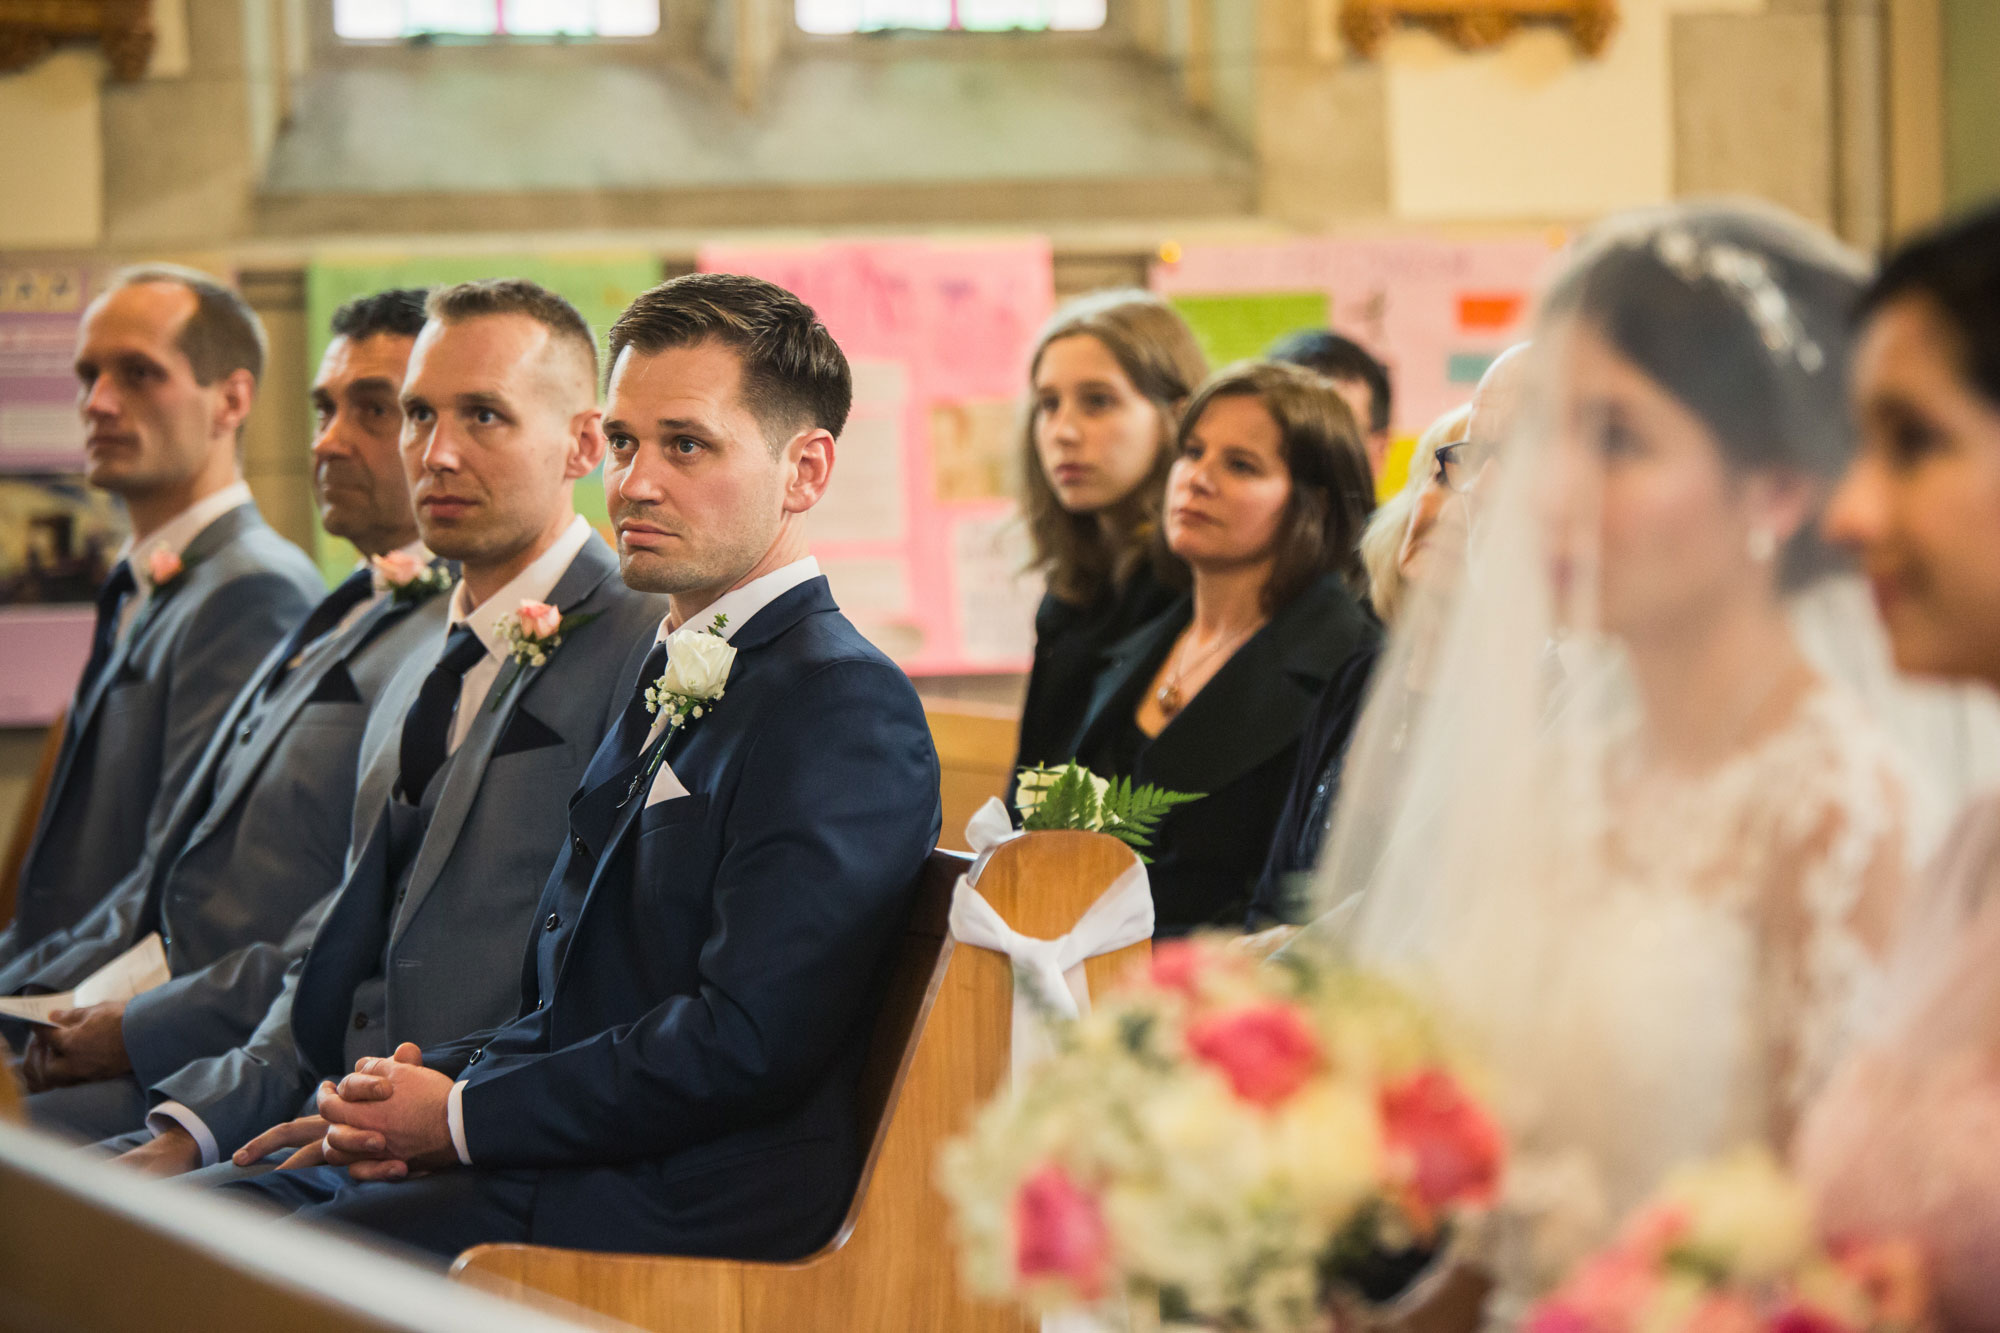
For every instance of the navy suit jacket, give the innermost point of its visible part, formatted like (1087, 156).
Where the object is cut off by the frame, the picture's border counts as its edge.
(700, 988)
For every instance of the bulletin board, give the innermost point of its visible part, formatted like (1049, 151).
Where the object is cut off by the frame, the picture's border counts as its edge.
(58, 537)
(1435, 311)
(919, 534)
(600, 284)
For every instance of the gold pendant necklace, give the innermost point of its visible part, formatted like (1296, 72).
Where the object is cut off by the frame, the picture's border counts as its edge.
(1168, 696)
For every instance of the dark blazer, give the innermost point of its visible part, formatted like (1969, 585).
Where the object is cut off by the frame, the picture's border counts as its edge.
(1237, 741)
(1070, 642)
(1282, 897)
(448, 948)
(133, 741)
(696, 1005)
(258, 836)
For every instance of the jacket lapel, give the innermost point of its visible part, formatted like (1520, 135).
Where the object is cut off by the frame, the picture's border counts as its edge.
(1126, 669)
(286, 703)
(1258, 703)
(572, 593)
(758, 632)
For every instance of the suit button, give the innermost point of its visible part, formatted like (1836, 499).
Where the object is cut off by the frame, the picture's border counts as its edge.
(475, 1056)
(552, 922)
(538, 1007)
(245, 732)
(576, 842)
(360, 1022)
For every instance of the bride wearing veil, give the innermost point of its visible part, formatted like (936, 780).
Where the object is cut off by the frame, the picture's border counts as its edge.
(1640, 852)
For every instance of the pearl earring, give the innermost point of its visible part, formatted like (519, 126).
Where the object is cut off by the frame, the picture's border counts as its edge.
(1763, 545)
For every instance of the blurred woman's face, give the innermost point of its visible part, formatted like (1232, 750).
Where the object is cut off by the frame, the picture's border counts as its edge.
(1096, 435)
(1638, 485)
(1922, 501)
(1229, 485)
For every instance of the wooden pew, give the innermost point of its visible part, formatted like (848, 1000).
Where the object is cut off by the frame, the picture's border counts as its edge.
(940, 1051)
(31, 813)
(88, 1247)
(975, 745)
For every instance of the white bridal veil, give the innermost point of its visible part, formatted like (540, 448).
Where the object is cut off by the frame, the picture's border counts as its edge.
(1636, 794)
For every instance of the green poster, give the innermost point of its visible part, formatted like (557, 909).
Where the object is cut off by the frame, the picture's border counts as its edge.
(1237, 327)
(599, 283)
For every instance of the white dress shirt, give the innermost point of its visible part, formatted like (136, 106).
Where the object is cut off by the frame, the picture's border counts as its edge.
(533, 584)
(739, 605)
(173, 536)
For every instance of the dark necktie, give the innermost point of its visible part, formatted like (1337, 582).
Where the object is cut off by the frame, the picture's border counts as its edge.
(110, 600)
(630, 734)
(355, 589)
(427, 726)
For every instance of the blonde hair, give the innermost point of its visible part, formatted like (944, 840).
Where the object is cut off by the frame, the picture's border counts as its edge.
(1154, 347)
(1382, 540)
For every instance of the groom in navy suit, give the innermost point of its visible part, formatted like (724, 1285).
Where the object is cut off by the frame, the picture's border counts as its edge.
(699, 990)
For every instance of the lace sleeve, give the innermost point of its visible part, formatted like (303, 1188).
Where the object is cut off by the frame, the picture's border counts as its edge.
(1839, 880)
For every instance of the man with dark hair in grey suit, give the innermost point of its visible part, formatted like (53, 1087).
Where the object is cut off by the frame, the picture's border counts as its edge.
(167, 362)
(468, 762)
(261, 831)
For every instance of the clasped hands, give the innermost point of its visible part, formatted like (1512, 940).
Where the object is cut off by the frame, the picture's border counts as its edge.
(385, 1121)
(79, 1046)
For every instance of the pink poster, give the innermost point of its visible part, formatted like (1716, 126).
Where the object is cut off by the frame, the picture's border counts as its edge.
(917, 532)
(1434, 310)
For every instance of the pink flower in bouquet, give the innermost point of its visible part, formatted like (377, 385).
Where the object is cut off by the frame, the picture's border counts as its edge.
(162, 566)
(1060, 1233)
(1891, 1277)
(1656, 1231)
(540, 620)
(1452, 1148)
(1611, 1293)
(1177, 965)
(1726, 1312)
(1267, 1051)
(1799, 1317)
(398, 568)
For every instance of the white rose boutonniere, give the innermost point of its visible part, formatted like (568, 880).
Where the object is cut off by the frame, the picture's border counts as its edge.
(698, 666)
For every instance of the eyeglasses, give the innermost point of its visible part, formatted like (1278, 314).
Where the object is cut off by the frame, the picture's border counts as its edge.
(1456, 468)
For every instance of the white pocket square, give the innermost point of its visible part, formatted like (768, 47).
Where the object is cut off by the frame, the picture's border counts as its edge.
(666, 787)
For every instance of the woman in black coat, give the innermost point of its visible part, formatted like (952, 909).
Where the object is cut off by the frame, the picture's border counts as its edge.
(1265, 502)
(1109, 377)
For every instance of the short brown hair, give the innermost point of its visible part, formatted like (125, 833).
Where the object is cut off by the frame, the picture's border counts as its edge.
(517, 296)
(794, 373)
(1155, 348)
(222, 336)
(1333, 491)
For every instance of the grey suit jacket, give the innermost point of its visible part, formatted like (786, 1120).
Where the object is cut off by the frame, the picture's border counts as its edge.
(450, 947)
(133, 741)
(245, 852)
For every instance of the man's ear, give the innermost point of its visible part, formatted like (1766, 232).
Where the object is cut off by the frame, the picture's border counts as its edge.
(809, 462)
(586, 444)
(237, 394)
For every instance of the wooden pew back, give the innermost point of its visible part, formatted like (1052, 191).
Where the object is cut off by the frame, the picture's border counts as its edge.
(975, 745)
(30, 814)
(894, 1264)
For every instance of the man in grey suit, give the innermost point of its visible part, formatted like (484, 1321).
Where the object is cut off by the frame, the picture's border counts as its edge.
(469, 762)
(261, 832)
(167, 362)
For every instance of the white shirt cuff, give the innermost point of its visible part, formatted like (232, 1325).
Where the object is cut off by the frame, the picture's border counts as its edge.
(173, 1113)
(454, 1119)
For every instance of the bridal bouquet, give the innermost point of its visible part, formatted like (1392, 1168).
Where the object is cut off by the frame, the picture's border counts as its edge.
(1231, 1139)
(1729, 1247)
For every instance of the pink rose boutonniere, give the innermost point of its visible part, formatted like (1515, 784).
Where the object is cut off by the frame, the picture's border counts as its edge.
(408, 579)
(532, 633)
(163, 567)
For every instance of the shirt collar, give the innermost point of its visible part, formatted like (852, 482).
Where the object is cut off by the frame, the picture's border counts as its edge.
(533, 584)
(174, 535)
(742, 603)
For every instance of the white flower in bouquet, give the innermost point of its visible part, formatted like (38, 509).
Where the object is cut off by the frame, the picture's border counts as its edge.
(1744, 1214)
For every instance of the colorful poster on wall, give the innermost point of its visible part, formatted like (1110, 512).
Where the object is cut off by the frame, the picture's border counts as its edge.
(57, 536)
(1434, 311)
(599, 284)
(918, 532)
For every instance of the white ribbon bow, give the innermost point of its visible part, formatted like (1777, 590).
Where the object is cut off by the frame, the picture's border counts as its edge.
(1048, 974)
